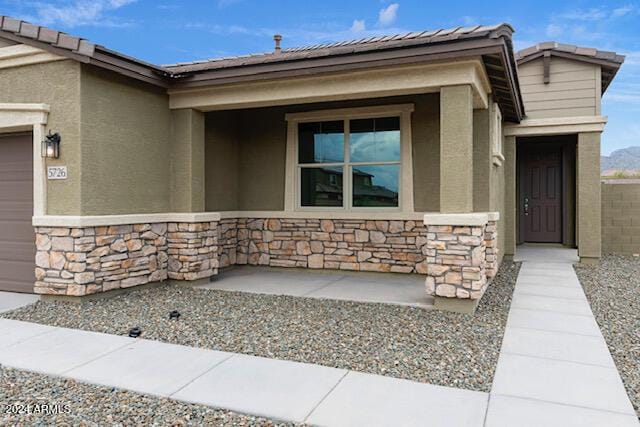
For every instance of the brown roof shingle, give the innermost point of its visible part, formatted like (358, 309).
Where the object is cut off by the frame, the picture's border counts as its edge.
(346, 47)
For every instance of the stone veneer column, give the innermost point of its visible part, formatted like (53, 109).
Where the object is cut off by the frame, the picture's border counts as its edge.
(589, 204)
(456, 149)
(192, 250)
(462, 255)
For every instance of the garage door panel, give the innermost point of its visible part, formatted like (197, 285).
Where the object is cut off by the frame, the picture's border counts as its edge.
(17, 252)
(17, 238)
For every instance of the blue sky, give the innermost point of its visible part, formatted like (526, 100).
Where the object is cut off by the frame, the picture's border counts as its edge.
(168, 31)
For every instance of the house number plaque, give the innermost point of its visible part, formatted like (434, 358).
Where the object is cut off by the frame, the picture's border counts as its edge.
(57, 172)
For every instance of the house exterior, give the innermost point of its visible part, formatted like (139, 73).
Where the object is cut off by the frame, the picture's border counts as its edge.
(432, 152)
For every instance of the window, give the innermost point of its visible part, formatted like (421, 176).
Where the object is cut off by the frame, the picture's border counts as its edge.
(349, 163)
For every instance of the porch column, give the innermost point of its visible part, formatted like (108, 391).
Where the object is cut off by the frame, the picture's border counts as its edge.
(456, 149)
(187, 161)
(589, 207)
(510, 209)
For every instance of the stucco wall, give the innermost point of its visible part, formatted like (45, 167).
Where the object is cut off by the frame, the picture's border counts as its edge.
(56, 84)
(126, 132)
(621, 217)
(245, 154)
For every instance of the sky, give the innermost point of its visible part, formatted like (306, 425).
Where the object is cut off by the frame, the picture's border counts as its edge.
(170, 31)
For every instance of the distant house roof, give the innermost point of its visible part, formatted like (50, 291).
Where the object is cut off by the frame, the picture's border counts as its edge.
(610, 62)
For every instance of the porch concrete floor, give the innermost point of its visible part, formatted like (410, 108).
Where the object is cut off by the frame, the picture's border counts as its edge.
(12, 300)
(388, 288)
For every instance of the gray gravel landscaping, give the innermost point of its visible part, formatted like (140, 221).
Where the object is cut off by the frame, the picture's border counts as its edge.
(88, 405)
(422, 345)
(613, 290)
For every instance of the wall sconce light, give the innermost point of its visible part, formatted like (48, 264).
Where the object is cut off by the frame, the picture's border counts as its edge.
(51, 146)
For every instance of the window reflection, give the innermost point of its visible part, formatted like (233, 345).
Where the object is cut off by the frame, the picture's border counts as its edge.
(321, 186)
(375, 185)
(375, 140)
(321, 142)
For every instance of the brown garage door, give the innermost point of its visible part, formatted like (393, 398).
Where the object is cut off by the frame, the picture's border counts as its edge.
(17, 240)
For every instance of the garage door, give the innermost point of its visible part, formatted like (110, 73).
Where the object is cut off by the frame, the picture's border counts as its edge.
(17, 239)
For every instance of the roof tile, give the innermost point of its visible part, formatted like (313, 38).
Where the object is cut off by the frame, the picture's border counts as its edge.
(68, 42)
(29, 30)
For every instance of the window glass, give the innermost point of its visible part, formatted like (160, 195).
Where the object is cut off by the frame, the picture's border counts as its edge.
(321, 186)
(321, 142)
(374, 140)
(375, 185)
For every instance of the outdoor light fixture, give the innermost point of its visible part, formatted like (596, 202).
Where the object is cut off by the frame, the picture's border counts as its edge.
(51, 146)
(135, 332)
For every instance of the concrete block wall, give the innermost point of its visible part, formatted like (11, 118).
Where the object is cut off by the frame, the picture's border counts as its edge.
(621, 217)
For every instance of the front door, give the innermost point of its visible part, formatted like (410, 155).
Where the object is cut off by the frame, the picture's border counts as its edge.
(541, 197)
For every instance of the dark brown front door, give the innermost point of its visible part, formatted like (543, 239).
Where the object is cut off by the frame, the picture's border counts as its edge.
(17, 238)
(541, 198)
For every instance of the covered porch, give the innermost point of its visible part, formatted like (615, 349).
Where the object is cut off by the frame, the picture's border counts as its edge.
(353, 172)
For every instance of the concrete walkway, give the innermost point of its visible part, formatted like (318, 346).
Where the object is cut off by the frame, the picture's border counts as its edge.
(271, 388)
(555, 368)
(388, 288)
(13, 300)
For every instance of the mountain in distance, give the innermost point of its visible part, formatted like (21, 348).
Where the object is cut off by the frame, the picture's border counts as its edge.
(625, 159)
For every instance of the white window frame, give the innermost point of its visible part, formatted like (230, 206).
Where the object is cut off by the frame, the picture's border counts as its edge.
(405, 184)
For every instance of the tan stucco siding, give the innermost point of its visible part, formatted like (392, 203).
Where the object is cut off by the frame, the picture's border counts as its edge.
(246, 152)
(456, 149)
(481, 160)
(186, 174)
(621, 217)
(221, 161)
(572, 89)
(262, 159)
(509, 216)
(58, 85)
(425, 132)
(126, 132)
(589, 203)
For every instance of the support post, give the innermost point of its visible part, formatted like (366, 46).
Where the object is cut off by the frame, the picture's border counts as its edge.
(589, 207)
(187, 161)
(456, 149)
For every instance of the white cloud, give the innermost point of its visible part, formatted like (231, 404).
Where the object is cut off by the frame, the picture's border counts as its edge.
(388, 15)
(622, 11)
(79, 13)
(358, 26)
(554, 30)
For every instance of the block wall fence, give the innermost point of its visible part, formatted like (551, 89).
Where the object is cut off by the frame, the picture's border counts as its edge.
(621, 217)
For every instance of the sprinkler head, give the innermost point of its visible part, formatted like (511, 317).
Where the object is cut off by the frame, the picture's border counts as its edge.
(174, 315)
(135, 332)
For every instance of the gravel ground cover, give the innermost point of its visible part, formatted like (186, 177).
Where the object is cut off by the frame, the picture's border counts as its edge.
(613, 290)
(422, 345)
(81, 404)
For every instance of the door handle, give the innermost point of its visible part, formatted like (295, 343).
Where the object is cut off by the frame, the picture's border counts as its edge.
(526, 206)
